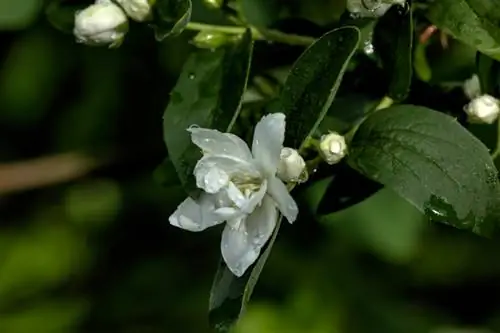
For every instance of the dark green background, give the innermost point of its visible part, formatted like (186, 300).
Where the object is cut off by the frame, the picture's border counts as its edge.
(97, 254)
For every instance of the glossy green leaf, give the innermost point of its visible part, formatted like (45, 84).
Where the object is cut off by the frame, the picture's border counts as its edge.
(429, 159)
(170, 17)
(346, 188)
(208, 93)
(475, 22)
(488, 71)
(311, 86)
(393, 41)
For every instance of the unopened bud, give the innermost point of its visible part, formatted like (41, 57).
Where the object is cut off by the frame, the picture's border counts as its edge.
(103, 23)
(137, 10)
(332, 148)
(292, 165)
(472, 87)
(215, 4)
(210, 40)
(483, 109)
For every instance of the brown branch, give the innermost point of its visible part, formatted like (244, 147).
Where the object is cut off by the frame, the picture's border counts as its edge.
(44, 171)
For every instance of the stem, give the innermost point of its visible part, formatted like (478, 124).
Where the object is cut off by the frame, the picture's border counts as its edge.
(384, 103)
(271, 35)
(496, 152)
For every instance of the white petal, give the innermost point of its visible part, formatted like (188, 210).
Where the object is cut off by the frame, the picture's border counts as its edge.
(254, 199)
(268, 140)
(195, 216)
(227, 213)
(213, 180)
(237, 251)
(261, 223)
(233, 167)
(214, 142)
(235, 195)
(287, 206)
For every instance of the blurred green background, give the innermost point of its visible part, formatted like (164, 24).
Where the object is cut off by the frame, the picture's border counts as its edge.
(85, 243)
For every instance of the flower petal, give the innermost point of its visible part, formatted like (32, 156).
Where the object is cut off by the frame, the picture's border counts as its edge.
(195, 215)
(254, 199)
(214, 142)
(213, 180)
(286, 204)
(237, 251)
(268, 140)
(235, 169)
(261, 223)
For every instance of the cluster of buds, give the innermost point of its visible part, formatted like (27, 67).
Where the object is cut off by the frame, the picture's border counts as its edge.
(106, 22)
(332, 148)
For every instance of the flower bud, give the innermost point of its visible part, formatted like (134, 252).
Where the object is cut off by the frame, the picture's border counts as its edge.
(472, 87)
(101, 23)
(214, 4)
(371, 8)
(332, 148)
(483, 109)
(137, 10)
(210, 40)
(292, 165)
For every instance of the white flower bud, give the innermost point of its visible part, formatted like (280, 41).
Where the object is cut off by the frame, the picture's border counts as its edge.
(333, 148)
(291, 165)
(100, 24)
(483, 109)
(137, 10)
(472, 87)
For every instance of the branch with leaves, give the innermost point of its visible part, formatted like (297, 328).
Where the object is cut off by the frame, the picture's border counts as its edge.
(301, 134)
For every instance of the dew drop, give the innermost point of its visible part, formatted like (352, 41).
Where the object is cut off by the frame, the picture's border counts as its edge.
(192, 76)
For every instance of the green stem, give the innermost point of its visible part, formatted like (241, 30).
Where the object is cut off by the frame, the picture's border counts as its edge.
(384, 103)
(496, 152)
(271, 35)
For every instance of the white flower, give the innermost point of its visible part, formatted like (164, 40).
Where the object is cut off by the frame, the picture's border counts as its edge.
(483, 109)
(472, 87)
(137, 10)
(332, 147)
(291, 165)
(371, 8)
(240, 186)
(101, 23)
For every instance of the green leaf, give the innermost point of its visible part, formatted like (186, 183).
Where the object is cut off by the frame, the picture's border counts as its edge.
(208, 93)
(229, 295)
(475, 22)
(429, 159)
(393, 40)
(346, 188)
(488, 71)
(170, 17)
(311, 86)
